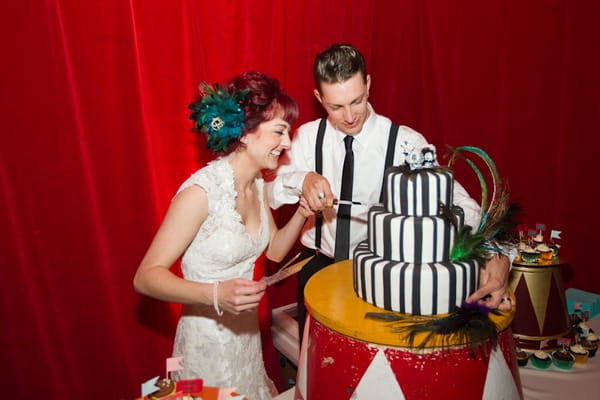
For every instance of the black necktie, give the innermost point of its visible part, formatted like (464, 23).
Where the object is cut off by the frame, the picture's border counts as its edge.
(342, 239)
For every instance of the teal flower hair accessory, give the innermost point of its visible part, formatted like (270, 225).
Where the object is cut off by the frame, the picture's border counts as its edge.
(218, 112)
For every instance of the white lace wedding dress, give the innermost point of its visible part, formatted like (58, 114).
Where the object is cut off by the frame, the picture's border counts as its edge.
(225, 351)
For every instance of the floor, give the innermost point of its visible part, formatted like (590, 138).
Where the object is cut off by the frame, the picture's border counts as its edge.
(288, 370)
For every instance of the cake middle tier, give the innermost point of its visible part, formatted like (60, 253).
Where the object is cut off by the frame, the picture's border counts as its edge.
(410, 239)
(419, 289)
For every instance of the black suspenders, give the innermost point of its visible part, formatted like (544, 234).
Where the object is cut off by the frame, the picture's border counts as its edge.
(389, 156)
(389, 160)
(319, 170)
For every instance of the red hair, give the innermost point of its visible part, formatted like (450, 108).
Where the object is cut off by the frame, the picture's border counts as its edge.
(264, 102)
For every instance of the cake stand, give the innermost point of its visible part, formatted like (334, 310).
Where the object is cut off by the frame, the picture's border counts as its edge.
(541, 314)
(345, 356)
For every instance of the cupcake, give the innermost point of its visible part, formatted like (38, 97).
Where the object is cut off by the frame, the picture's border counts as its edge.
(545, 253)
(522, 357)
(529, 257)
(581, 354)
(540, 359)
(590, 346)
(592, 337)
(583, 329)
(528, 253)
(166, 387)
(563, 359)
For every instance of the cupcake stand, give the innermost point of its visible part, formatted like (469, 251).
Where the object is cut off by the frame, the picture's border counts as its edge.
(541, 315)
(345, 356)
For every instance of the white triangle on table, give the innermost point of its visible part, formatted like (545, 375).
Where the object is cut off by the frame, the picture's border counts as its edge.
(378, 382)
(499, 382)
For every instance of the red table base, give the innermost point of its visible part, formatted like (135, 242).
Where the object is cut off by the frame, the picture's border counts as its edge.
(334, 366)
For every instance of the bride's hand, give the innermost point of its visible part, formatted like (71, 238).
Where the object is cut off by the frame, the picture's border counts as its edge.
(304, 208)
(237, 295)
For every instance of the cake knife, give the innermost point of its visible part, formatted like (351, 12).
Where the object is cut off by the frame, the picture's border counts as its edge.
(355, 203)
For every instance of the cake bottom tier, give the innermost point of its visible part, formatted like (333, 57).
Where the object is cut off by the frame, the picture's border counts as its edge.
(418, 289)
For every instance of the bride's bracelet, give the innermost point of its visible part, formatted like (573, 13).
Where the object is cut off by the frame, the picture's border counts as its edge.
(216, 299)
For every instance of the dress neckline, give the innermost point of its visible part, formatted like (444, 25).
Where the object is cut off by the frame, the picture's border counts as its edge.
(259, 190)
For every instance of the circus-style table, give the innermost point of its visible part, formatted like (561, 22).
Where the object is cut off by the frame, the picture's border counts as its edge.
(541, 314)
(345, 356)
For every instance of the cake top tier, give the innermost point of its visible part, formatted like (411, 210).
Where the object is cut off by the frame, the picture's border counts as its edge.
(419, 187)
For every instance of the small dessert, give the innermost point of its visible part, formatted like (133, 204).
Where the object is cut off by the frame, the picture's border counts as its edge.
(583, 329)
(545, 253)
(540, 359)
(592, 337)
(166, 387)
(563, 359)
(590, 346)
(522, 357)
(523, 246)
(527, 253)
(581, 354)
(530, 257)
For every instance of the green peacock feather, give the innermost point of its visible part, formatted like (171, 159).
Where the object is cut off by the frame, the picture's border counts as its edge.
(468, 246)
(495, 214)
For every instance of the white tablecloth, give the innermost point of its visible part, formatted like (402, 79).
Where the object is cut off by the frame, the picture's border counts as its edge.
(583, 381)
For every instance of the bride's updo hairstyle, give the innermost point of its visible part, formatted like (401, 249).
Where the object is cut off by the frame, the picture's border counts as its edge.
(226, 113)
(265, 100)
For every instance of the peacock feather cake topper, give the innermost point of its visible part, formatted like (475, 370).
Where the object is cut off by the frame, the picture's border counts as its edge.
(495, 226)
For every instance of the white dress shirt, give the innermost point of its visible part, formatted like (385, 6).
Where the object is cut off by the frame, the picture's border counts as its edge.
(369, 147)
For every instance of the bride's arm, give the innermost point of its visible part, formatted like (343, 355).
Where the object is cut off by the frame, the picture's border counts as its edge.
(183, 219)
(186, 214)
(282, 240)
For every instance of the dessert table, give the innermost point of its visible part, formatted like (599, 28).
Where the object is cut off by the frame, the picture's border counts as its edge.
(582, 381)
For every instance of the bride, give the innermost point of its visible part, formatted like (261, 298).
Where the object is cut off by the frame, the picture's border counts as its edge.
(219, 222)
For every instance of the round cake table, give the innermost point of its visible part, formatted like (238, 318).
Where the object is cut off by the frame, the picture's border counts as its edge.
(346, 356)
(541, 316)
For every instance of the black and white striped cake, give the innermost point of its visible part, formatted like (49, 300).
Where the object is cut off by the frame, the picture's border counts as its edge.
(404, 265)
(417, 193)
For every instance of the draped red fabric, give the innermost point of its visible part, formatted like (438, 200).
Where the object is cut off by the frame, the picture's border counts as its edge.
(95, 141)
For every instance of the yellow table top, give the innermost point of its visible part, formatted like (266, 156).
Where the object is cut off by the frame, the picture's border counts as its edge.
(331, 300)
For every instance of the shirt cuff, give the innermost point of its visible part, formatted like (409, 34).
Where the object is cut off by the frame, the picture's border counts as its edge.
(285, 189)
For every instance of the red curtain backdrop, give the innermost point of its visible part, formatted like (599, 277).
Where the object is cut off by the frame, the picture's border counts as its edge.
(95, 140)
